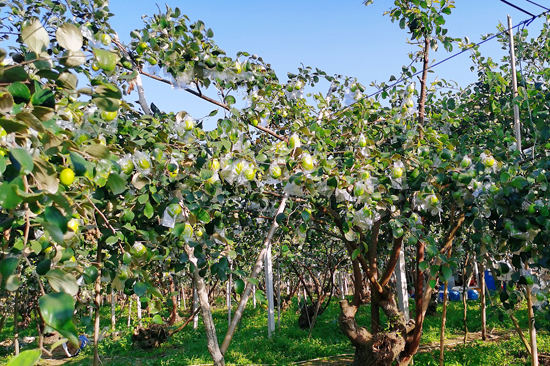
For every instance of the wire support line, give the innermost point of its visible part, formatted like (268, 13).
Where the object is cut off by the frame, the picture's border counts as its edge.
(523, 23)
(518, 8)
(534, 3)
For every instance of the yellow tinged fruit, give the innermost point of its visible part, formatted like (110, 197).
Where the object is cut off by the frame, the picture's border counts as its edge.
(249, 174)
(66, 177)
(397, 172)
(73, 225)
(108, 116)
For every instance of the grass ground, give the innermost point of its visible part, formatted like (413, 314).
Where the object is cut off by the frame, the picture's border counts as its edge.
(290, 344)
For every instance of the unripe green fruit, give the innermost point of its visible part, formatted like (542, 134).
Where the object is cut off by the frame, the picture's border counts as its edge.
(189, 124)
(275, 172)
(466, 161)
(434, 200)
(489, 161)
(127, 167)
(250, 174)
(174, 210)
(307, 162)
(108, 116)
(397, 172)
(106, 39)
(294, 142)
(215, 165)
(362, 141)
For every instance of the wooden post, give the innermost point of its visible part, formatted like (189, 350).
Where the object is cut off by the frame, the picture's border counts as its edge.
(113, 308)
(254, 295)
(269, 292)
(228, 294)
(517, 123)
(443, 318)
(401, 286)
(532, 330)
(97, 307)
(278, 293)
(129, 310)
(195, 306)
(138, 309)
(482, 298)
(16, 323)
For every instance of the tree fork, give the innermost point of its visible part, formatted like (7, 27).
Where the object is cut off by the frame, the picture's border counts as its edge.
(255, 271)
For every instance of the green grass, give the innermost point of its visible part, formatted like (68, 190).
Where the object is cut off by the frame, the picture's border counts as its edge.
(290, 344)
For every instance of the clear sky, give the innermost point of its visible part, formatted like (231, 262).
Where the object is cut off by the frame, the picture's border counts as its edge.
(340, 37)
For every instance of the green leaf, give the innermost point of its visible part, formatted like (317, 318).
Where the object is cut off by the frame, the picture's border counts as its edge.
(116, 184)
(306, 215)
(56, 217)
(90, 274)
(80, 165)
(35, 36)
(43, 267)
(107, 104)
(31, 121)
(504, 177)
(26, 358)
(447, 272)
(69, 37)
(140, 288)
(45, 175)
(44, 98)
(423, 265)
(7, 267)
(206, 174)
(57, 311)
(203, 216)
(21, 160)
(16, 73)
(54, 231)
(149, 211)
(62, 281)
(106, 59)
(355, 254)
(432, 283)
(67, 80)
(73, 58)
(12, 126)
(20, 92)
(157, 319)
(98, 151)
(9, 200)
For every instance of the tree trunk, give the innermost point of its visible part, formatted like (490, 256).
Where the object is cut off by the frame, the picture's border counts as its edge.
(520, 333)
(383, 348)
(207, 319)
(443, 319)
(174, 312)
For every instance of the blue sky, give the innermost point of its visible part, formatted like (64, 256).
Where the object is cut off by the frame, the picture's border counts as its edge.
(339, 37)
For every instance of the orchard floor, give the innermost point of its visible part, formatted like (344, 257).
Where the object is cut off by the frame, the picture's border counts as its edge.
(291, 346)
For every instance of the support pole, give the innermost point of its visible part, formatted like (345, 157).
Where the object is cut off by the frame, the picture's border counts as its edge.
(402, 294)
(278, 293)
(532, 329)
(195, 306)
(269, 292)
(517, 123)
(228, 294)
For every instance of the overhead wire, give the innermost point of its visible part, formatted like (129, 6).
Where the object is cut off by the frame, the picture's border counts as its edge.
(525, 23)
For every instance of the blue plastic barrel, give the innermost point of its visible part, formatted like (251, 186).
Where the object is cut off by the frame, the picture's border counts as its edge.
(473, 295)
(454, 296)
